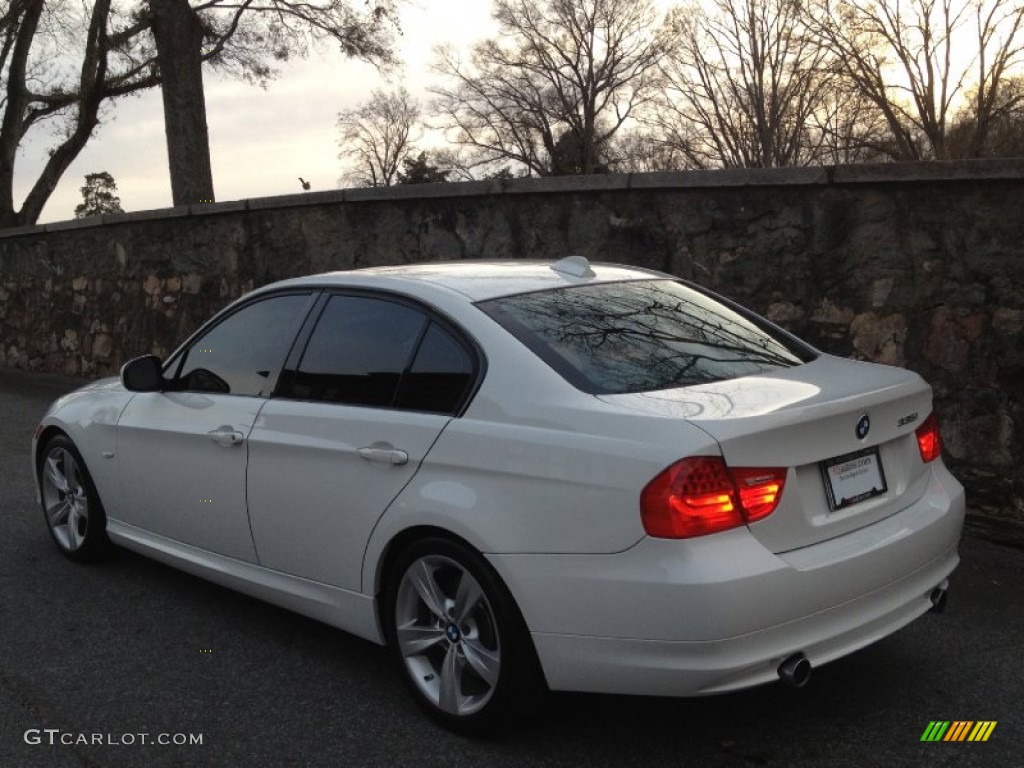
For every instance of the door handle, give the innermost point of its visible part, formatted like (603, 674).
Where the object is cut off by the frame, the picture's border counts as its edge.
(383, 453)
(226, 436)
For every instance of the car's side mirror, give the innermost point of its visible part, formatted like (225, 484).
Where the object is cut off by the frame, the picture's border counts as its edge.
(143, 374)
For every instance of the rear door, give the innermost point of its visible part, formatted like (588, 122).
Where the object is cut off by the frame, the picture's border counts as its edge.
(355, 412)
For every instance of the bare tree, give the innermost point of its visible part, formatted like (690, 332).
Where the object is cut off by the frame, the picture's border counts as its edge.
(377, 136)
(554, 87)
(745, 81)
(456, 163)
(917, 59)
(846, 127)
(1004, 132)
(244, 37)
(118, 47)
(997, 100)
(20, 74)
(643, 151)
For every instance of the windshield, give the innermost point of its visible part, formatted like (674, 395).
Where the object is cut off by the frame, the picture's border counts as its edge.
(641, 336)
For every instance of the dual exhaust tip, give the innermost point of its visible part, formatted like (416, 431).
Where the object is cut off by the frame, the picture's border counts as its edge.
(795, 670)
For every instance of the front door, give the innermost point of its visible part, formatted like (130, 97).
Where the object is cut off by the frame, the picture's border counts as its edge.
(182, 454)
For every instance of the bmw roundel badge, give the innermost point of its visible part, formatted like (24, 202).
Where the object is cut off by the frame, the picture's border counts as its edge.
(863, 427)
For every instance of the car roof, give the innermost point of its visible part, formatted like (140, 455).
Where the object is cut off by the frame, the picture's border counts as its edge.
(477, 280)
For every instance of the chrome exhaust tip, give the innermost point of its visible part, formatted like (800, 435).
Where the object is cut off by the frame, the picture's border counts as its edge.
(795, 671)
(938, 598)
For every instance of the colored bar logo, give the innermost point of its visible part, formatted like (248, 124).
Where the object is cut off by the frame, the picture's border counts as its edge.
(959, 730)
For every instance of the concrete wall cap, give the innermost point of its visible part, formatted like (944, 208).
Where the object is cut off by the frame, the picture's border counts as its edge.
(297, 199)
(553, 184)
(150, 215)
(997, 169)
(948, 170)
(729, 177)
(205, 209)
(88, 221)
(425, 191)
(30, 229)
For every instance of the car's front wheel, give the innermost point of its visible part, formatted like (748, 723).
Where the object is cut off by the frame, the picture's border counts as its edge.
(458, 638)
(71, 506)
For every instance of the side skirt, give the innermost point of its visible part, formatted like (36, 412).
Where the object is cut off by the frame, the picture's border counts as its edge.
(352, 612)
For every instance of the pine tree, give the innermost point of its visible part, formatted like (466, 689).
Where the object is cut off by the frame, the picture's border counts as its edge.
(99, 196)
(419, 170)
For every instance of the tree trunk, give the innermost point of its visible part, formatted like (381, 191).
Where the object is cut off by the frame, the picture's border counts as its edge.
(179, 38)
(17, 99)
(90, 96)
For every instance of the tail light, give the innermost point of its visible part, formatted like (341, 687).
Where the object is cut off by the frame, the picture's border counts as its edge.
(701, 495)
(929, 441)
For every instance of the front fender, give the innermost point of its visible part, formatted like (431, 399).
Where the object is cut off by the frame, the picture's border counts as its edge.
(88, 416)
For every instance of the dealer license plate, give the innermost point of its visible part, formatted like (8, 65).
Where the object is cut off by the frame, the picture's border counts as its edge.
(853, 478)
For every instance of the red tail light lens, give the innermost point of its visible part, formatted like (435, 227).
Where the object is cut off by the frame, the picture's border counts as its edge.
(701, 495)
(929, 441)
(759, 489)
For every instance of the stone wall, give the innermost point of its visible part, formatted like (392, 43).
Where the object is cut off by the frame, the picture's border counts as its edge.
(919, 265)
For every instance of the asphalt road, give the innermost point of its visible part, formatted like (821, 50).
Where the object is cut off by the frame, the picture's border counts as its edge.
(131, 647)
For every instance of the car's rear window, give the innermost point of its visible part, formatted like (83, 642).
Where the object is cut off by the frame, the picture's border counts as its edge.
(641, 336)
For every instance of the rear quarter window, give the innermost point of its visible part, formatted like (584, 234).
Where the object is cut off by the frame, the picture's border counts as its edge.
(642, 336)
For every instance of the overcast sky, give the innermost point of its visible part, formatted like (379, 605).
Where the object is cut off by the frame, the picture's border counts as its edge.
(261, 141)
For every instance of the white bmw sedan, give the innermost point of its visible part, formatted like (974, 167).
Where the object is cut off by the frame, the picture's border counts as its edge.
(522, 475)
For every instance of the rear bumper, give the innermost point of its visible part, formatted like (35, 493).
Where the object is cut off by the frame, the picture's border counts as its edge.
(680, 668)
(721, 612)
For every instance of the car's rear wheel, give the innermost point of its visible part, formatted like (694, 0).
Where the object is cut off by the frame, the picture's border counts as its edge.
(71, 506)
(459, 640)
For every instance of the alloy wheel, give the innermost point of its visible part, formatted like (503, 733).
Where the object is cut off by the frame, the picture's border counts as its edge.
(65, 499)
(447, 635)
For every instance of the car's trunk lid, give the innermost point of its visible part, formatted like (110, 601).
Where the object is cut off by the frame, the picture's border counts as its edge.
(803, 418)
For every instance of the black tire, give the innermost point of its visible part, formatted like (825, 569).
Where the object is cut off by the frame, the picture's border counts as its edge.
(72, 509)
(480, 646)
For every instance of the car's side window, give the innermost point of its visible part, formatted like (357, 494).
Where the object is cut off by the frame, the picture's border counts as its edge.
(240, 354)
(357, 354)
(440, 375)
(373, 351)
